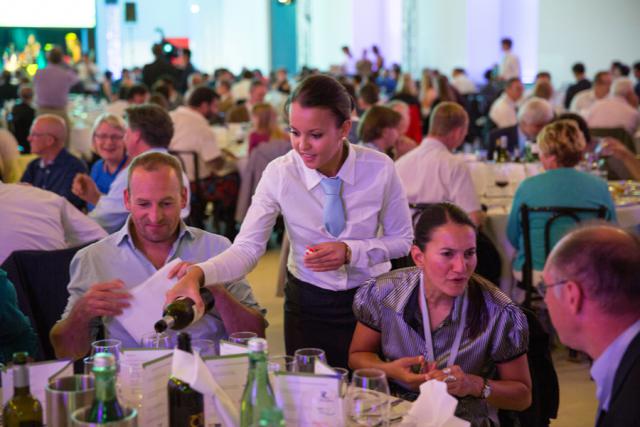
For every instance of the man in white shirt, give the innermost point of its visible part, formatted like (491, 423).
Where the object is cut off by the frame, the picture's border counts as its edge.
(503, 111)
(620, 110)
(583, 101)
(510, 65)
(592, 293)
(193, 133)
(35, 219)
(462, 82)
(431, 173)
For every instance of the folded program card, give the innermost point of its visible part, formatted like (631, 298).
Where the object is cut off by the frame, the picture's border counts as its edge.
(309, 400)
(147, 302)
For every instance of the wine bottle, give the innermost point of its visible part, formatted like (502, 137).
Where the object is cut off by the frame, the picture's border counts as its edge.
(258, 397)
(502, 155)
(181, 312)
(23, 410)
(186, 406)
(105, 407)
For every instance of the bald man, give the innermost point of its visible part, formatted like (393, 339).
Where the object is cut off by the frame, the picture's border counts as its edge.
(592, 292)
(55, 169)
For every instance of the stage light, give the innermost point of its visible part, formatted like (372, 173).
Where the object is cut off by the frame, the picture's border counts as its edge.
(48, 47)
(70, 36)
(167, 47)
(195, 8)
(31, 69)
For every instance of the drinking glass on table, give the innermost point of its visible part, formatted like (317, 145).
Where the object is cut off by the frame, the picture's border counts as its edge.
(368, 398)
(111, 346)
(205, 348)
(344, 380)
(157, 341)
(242, 337)
(281, 363)
(306, 358)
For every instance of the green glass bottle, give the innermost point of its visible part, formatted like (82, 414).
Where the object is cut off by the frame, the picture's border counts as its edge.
(23, 410)
(105, 407)
(181, 313)
(186, 406)
(502, 155)
(258, 396)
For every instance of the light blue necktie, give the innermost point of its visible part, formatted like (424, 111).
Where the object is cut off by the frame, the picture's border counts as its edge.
(334, 220)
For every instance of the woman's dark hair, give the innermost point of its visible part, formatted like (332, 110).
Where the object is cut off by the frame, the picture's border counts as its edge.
(436, 215)
(323, 91)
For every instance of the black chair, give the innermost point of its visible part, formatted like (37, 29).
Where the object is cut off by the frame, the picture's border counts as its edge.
(197, 203)
(41, 279)
(545, 392)
(555, 213)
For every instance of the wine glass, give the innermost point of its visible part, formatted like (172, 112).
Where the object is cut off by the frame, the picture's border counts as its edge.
(205, 348)
(281, 363)
(344, 380)
(242, 338)
(112, 346)
(306, 358)
(157, 341)
(368, 398)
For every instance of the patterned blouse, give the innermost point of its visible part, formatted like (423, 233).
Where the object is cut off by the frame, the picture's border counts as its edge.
(390, 305)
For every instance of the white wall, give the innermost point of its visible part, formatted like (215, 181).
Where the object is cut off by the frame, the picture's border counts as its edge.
(231, 33)
(594, 32)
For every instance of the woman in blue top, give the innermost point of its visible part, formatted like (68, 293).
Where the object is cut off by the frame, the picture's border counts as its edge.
(108, 141)
(561, 145)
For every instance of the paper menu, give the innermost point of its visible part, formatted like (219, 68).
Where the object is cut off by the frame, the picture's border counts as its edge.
(228, 348)
(309, 399)
(40, 374)
(230, 372)
(130, 377)
(155, 377)
(147, 298)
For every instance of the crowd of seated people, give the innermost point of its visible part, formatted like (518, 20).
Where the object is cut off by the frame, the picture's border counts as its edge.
(363, 147)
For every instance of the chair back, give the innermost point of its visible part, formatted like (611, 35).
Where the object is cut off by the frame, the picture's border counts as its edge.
(41, 279)
(555, 214)
(197, 197)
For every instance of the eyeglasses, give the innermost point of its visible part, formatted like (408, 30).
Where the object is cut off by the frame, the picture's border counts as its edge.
(104, 137)
(542, 287)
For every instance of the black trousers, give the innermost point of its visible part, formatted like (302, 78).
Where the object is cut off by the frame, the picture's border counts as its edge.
(316, 317)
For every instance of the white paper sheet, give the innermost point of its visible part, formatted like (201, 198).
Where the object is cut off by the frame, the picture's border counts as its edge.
(321, 368)
(230, 372)
(309, 400)
(147, 298)
(155, 377)
(40, 373)
(435, 407)
(191, 369)
(227, 348)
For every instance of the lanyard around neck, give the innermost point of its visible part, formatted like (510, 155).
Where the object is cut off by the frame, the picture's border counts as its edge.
(426, 324)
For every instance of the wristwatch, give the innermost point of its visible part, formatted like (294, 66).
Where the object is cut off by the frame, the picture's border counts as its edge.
(486, 389)
(347, 255)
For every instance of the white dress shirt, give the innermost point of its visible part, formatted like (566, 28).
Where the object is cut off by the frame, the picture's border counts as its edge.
(464, 85)
(378, 224)
(613, 112)
(110, 211)
(582, 102)
(191, 132)
(510, 66)
(604, 367)
(430, 173)
(503, 112)
(36, 219)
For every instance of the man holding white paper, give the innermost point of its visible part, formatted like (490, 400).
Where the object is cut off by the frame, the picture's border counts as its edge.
(102, 273)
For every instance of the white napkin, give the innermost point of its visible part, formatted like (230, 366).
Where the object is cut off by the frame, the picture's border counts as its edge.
(147, 302)
(191, 369)
(435, 407)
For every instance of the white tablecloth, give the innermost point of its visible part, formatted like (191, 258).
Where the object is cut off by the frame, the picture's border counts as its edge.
(484, 175)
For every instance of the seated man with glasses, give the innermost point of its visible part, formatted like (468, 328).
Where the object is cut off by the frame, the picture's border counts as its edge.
(55, 169)
(592, 292)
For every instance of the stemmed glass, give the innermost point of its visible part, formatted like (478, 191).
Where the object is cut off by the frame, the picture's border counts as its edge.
(306, 358)
(242, 338)
(368, 398)
(158, 341)
(112, 346)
